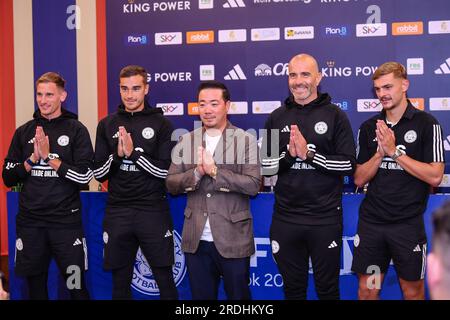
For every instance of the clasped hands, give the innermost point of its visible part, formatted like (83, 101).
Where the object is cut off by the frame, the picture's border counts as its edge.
(385, 139)
(297, 143)
(205, 162)
(41, 146)
(125, 144)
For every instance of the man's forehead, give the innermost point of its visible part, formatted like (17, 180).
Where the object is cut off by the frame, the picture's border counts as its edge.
(386, 79)
(47, 87)
(132, 81)
(302, 66)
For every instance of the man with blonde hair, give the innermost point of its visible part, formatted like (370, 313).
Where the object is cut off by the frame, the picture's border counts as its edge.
(51, 156)
(400, 156)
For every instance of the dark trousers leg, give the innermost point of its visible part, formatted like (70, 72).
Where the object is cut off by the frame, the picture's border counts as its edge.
(325, 244)
(37, 286)
(292, 257)
(164, 279)
(204, 275)
(70, 252)
(122, 282)
(236, 273)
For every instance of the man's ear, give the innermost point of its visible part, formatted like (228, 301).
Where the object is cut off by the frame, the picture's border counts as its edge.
(319, 78)
(63, 96)
(147, 88)
(405, 85)
(228, 105)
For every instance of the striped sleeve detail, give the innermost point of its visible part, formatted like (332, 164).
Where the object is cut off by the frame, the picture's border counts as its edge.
(357, 144)
(150, 168)
(11, 165)
(438, 149)
(424, 261)
(272, 163)
(332, 165)
(103, 170)
(82, 178)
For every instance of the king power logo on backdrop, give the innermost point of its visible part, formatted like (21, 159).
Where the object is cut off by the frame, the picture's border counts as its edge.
(135, 6)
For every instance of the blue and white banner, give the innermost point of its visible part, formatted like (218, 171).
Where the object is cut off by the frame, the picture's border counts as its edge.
(265, 281)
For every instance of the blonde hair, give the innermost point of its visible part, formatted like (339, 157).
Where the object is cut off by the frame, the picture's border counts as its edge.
(396, 68)
(52, 77)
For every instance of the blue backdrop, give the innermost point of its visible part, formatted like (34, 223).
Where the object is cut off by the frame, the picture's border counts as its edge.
(247, 44)
(265, 281)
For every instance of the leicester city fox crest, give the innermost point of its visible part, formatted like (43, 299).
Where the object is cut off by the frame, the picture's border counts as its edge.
(143, 279)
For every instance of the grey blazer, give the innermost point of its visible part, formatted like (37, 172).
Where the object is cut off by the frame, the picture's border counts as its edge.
(225, 199)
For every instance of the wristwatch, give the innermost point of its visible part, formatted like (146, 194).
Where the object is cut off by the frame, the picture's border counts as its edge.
(51, 156)
(30, 162)
(310, 155)
(397, 153)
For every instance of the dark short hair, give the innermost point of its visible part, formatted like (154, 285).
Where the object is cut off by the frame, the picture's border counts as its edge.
(441, 233)
(133, 70)
(215, 85)
(52, 77)
(396, 68)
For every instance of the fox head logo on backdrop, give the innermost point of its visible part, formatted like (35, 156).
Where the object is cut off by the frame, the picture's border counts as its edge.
(143, 280)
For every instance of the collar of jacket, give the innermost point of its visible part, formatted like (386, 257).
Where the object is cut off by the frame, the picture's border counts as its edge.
(322, 99)
(408, 114)
(146, 111)
(65, 114)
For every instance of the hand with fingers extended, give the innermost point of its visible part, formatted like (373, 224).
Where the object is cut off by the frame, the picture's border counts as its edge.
(298, 142)
(385, 138)
(125, 141)
(42, 143)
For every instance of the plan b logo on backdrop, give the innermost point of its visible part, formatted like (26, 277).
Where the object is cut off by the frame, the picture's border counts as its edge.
(136, 40)
(336, 31)
(143, 279)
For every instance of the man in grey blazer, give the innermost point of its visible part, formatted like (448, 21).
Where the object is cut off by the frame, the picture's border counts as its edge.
(217, 165)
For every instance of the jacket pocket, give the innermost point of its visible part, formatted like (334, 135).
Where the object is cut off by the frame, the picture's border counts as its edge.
(240, 216)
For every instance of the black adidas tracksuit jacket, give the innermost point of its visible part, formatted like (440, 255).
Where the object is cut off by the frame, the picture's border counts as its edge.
(50, 198)
(309, 192)
(137, 181)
